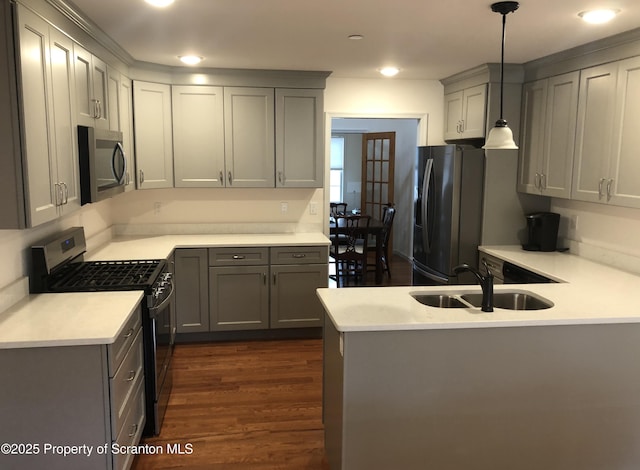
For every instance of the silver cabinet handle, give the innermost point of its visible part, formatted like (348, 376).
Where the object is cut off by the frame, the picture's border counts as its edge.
(129, 333)
(141, 176)
(57, 196)
(536, 181)
(221, 178)
(299, 255)
(600, 184)
(280, 177)
(609, 185)
(238, 257)
(462, 127)
(132, 375)
(65, 193)
(544, 181)
(230, 179)
(134, 430)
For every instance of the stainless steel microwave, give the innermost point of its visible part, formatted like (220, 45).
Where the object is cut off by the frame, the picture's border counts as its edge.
(103, 164)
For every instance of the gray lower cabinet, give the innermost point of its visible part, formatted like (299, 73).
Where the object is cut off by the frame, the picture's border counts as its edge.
(192, 290)
(89, 395)
(249, 288)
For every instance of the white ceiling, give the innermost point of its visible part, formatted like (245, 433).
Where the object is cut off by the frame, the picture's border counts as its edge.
(426, 39)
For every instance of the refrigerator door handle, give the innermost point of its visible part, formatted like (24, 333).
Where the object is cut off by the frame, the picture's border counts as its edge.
(426, 197)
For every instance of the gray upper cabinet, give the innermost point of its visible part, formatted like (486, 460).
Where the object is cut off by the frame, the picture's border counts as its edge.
(594, 139)
(299, 138)
(198, 136)
(92, 85)
(465, 113)
(549, 110)
(624, 167)
(48, 160)
(249, 137)
(153, 135)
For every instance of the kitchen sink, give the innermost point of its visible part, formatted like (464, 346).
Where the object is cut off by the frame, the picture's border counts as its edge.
(511, 300)
(442, 301)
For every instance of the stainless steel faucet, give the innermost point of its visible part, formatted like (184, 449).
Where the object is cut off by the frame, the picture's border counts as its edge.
(485, 281)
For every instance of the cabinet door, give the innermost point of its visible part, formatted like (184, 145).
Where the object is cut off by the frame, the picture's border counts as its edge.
(624, 174)
(559, 137)
(126, 125)
(596, 103)
(474, 111)
(192, 296)
(534, 100)
(238, 298)
(299, 138)
(198, 136)
(113, 95)
(293, 295)
(42, 189)
(249, 137)
(153, 136)
(64, 121)
(452, 115)
(91, 79)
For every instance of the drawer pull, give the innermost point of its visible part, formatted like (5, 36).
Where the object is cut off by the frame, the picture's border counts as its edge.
(238, 257)
(134, 430)
(132, 375)
(129, 333)
(299, 255)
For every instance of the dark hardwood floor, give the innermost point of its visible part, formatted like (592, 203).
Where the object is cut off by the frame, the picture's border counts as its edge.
(248, 405)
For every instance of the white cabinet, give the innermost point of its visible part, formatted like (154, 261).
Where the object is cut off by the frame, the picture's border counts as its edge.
(91, 89)
(126, 127)
(153, 136)
(465, 113)
(549, 110)
(299, 138)
(48, 112)
(198, 136)
(249, 137)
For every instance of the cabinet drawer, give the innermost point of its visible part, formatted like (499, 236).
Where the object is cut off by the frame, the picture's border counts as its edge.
(117, 350)
(238, 256)
(132, 426)
(125, 381)
(299, 255)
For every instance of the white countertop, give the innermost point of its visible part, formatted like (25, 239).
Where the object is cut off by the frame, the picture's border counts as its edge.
(161, 246)
(68, 319)
(590, 293)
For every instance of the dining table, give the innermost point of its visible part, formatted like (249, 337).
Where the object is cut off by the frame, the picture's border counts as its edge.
(376, 229)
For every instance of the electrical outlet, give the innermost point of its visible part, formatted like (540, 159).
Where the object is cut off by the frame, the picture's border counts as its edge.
(313, 208)
(284, 207)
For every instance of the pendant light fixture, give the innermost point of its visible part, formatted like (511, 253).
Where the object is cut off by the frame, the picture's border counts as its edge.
(500, 136)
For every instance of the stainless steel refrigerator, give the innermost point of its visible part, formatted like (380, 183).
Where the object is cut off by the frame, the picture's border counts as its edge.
(464, 197)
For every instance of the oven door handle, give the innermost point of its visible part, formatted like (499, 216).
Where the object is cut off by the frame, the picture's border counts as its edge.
(153, 311)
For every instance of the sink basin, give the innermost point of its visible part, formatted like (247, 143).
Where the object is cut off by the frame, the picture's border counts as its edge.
(442, 301)
(511, 300)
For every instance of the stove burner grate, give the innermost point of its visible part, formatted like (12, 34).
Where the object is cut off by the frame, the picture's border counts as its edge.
(104, 275)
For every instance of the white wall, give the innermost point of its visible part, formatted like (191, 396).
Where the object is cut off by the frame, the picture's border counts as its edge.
(604, 233)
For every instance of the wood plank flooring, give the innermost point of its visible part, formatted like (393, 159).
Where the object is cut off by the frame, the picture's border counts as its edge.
(244, 405)
(250, 405)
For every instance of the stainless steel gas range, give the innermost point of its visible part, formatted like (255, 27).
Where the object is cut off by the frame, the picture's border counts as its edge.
(58, 265)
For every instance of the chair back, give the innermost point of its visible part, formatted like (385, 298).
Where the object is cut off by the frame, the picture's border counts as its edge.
(388, 214)
(338, 208)
(355, 231)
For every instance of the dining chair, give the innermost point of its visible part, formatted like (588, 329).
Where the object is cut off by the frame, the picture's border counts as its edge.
(350, 250)
(388, 214)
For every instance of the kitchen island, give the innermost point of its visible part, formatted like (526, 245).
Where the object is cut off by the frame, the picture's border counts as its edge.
(411, 386)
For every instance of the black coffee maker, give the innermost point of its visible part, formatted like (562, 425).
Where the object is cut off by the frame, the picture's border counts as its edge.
(542, 228)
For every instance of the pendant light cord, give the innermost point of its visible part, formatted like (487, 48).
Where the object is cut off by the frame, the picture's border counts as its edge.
(504, 26)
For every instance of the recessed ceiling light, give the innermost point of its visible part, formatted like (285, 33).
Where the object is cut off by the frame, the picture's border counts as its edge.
(159, 3)
(389, 71)
(190, 59)
(598, 16)
(356, 37)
